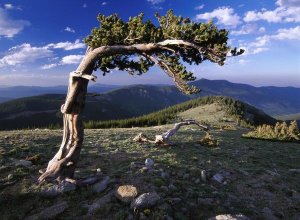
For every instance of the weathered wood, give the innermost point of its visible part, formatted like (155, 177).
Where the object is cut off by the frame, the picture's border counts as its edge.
(164, 138)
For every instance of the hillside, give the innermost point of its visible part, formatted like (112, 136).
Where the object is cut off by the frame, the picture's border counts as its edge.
(272, 100)
(208, 109)
(122, 103)
(136, 100)
(14, 92)
(256, 178)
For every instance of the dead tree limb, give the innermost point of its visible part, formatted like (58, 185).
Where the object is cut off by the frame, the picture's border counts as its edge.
(163, 139)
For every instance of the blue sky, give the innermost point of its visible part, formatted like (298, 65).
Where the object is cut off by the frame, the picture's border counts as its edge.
(41, 40)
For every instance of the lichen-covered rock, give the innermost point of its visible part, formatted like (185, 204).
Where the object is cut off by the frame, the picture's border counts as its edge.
(126, 193)
(145, 200)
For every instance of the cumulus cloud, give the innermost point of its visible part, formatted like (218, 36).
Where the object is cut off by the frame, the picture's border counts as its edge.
(68, 29)
(261, 43)
(287, 11)
(199, 7)
(71, 59)
(23, 54)
(224, 15)
(155, 2)
(67, 45)
(10, 27)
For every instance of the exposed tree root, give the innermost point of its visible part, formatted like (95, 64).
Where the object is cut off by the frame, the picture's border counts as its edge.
(163, 139)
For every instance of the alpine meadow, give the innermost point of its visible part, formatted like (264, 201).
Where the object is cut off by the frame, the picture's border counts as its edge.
(165, 110)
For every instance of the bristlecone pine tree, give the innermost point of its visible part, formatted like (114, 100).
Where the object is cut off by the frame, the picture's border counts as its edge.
(134, 46)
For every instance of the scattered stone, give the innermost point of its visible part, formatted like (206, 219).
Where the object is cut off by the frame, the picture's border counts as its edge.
(268, 214)
(229, 217)
(144, 169)
(197, 181)
(55, 190)
(294, 170)
(99, 203)
(98, 170)
(164, 175)
(146, 200)
(164, 188)
(172, 187)
(10, 177)
(174, 200)
(149, 162)
(203, 176)
(126, 193)
(51, 212)
(90, 180)
(23, 163)
(206, 201)
(218, 177)
(101, 186)
(186, 176)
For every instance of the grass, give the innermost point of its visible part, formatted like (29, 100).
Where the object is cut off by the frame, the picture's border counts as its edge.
(258, 173)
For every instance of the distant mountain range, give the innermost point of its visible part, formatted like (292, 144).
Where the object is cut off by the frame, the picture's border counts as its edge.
(13, 92)
(136, 100)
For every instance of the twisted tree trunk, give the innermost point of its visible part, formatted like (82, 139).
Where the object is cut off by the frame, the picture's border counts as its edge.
(63, 164)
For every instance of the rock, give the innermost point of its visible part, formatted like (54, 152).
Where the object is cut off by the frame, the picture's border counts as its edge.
(294, 170)
(10, 177)
(206, 201)
(98, 204)
(268, 214)
(98, 170)
(164, 188)
(55, 190)
(146, 200)
(218, 178)
(126, 193)
(229, 217)
(101, 186)
(197, 181)
(174, 200)
(186, 176)
(164, 175)
(24, 163)
(90, 180)
(142, 216)
(203, 176)
(51, 212)
(149, 162)
(172, 187)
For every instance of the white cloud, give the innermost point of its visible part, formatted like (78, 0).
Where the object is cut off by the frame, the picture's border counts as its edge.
(288, 11)
(155, 2)
(10, 27)
(200, 7)
(68, 29)
(243, 61)
(288, 3)
(104, 3)
(261, 43)
(67, 45)
(11, 7)
(84, 5)
(224, 15)
(23, 54)
(71, 59)
(49, 66)
(245, 29)
(287, 34)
